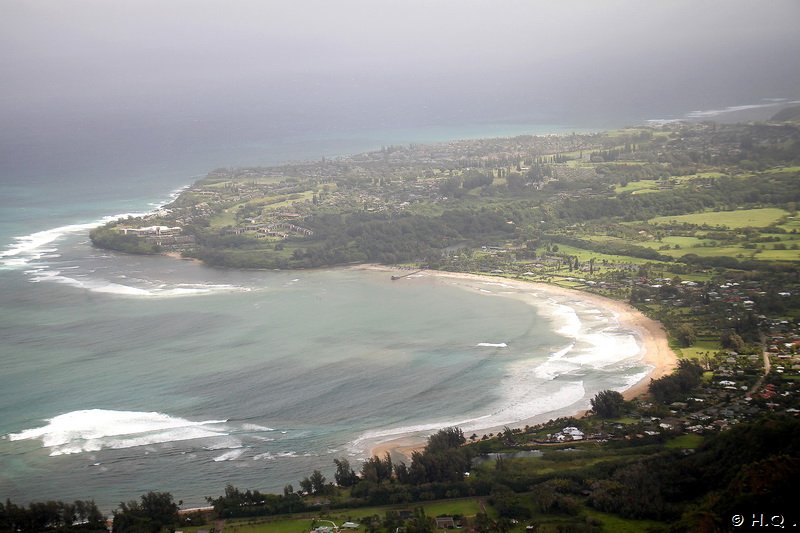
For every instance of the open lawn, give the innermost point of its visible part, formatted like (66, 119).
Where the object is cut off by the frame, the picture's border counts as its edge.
(703, 345)
(638, 187)
(684, 442)
(621, 525)
(226, 217)
(709, 248)
(779, 255)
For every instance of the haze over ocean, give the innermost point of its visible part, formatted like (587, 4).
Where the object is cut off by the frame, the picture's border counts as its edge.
(124, 374)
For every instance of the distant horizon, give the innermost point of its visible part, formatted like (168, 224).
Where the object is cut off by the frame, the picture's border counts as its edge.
(313, 145)
(139, 87)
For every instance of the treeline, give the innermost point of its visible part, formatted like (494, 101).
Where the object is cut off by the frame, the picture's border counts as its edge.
(154, 512)
(458, 186)
(611, 248)
(724, 261)
(237, 503)
(624, 174)
(80, 515)
(357, 238)
(436, 472)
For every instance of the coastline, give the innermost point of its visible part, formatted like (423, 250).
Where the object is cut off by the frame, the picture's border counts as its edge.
(651, 338)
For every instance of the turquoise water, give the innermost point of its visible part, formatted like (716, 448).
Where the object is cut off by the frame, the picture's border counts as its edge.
(123, 374)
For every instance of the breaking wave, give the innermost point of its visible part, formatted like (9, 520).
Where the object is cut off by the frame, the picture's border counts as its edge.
(96, 429)
(29, 248)
(146, 289)
(36, 255)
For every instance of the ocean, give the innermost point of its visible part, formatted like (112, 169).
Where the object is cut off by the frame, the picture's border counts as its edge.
(124, 374)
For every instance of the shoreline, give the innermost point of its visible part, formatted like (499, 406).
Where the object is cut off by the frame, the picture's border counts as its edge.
(650, 336)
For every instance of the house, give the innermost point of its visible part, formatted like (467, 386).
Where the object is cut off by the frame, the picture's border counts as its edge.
(151, 230)
(445, 522)
(573, 432)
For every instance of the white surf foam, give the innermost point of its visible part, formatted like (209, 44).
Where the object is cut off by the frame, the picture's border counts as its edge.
(269, 456)
(553, 368)
(497, 284)
(146, 290)
(29, 248)
(633, 379)
(492, 345)
(31, 252)
(231, 455)
(97, 429)
(568, 323)
(264, 456)
(522, 403)
(255, 427)
(605, 347)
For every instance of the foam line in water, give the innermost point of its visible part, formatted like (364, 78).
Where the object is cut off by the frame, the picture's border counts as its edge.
(492, 345)
(97, 429)
(28, 248)
(31, 247)
(150, 290)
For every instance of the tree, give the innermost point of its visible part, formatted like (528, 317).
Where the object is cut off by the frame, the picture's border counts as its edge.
(444, 458)
(608, 404)
(686, 377)
(156, 511)
(686, 335)
(445, 439)
(344, 476)
(731, 339)
(376, 469)
(306, 485)
(317, 482)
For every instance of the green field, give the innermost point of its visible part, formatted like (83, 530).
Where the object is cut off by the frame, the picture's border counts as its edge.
(742, 218)
(688, 441)
(585, 255)
(302, 523)
(638, 187)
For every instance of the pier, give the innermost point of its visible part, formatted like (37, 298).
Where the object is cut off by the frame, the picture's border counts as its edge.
(395, 278)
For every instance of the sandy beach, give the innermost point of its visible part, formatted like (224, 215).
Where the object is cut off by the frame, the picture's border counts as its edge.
(654, 349)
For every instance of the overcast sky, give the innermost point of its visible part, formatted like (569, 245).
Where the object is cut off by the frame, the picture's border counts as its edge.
(124, 67)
